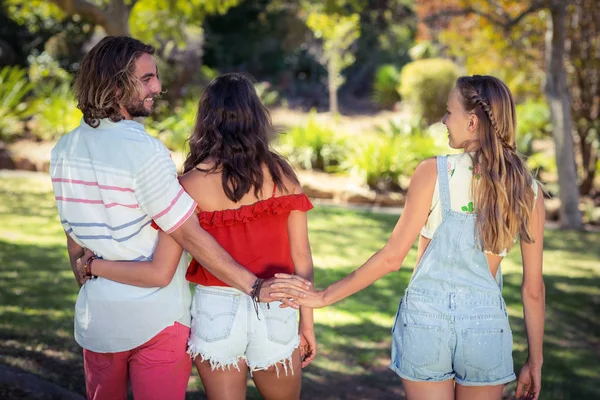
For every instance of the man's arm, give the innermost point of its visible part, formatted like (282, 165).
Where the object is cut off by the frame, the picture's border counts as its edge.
(75, 253)
(205, 249)
(161, 196)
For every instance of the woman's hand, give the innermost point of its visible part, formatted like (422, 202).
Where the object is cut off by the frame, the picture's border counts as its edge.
(81, 274)
(308, 345)
(529, 383)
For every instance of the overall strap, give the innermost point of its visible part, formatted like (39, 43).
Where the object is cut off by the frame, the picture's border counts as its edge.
(443, 183)
(499, 277)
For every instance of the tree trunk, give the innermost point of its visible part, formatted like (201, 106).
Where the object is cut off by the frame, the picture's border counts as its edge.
(560, 109)
(114, 18)
(332, 79)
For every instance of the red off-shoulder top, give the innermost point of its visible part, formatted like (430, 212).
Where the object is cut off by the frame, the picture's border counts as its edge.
(255, 235)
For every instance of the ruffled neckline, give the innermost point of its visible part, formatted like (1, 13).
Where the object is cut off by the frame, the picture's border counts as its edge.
(250, 212)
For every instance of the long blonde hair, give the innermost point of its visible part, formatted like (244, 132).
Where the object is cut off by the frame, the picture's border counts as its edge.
(503, 195)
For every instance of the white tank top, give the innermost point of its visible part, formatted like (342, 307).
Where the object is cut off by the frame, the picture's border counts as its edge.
(460, 175)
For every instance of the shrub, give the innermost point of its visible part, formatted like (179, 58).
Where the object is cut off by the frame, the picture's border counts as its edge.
(394, 151)
(14, 87)
(54, 111)
(312, 146)
(425, 85)
(175, 129)
(533, 122)
(267, 95)
(385, 86)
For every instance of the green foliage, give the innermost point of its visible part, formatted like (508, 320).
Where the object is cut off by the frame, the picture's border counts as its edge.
(425, 85)
(14, 87)
(175, 129)
(385, 86)
(338, 32)
(533, 122)
(394, 151)
(312, 146)
(268, 95)
(176, 21)
(422, 50)
(54, 111)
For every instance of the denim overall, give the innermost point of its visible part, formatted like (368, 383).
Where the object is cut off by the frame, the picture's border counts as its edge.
(452, 321)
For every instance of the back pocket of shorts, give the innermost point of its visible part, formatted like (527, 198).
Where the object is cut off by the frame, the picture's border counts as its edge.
(214, 314)
(482, 348)
(282, 323)
(421, 344)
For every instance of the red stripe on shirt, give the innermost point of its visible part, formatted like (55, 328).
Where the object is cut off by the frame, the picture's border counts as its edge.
(182, 220)
(86, 201)
(166, 210)
(105, 187)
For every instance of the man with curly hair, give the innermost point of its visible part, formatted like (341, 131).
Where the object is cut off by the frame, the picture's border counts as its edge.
(111, 180)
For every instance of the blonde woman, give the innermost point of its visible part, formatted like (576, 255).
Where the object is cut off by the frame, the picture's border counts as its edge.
(451, 336)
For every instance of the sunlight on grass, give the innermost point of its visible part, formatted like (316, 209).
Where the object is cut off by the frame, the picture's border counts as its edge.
(38, 292)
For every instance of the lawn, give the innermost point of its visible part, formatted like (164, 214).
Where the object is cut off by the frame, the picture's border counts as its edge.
(38, 292)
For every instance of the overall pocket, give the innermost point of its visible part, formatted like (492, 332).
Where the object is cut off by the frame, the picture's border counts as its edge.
(482, 348)
(421, 344)
(213, 314)
(282, 323)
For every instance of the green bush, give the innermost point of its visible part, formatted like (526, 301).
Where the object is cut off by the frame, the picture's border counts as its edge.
(533, 122)
(425, 85)
(394, 151)
(268, 95)
(175, 129)
(14, 87)
(54, 111)
(385, 86)
(312, 146)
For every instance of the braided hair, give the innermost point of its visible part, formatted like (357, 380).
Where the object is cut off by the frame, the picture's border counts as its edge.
(503, 196)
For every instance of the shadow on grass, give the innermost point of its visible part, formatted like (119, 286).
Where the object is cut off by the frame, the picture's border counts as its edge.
(38, 292)
(37, 297)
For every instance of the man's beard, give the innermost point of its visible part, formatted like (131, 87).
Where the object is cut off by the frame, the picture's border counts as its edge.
(137, 109)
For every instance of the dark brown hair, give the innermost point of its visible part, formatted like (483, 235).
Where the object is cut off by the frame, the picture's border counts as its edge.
(503, 194)
(106, 78)
(233, 130)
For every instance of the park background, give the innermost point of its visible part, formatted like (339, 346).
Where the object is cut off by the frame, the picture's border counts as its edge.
(357, 89)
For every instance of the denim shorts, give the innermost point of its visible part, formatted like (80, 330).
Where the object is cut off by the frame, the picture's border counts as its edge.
(226, 330)
(465, 337)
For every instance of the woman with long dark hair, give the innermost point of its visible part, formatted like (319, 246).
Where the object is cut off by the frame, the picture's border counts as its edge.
(249, 199)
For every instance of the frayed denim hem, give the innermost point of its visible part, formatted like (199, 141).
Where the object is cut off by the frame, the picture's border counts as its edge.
(285, 360)
(215, 363)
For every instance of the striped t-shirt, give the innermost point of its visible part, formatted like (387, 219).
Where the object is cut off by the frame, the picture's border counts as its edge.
(110, 182)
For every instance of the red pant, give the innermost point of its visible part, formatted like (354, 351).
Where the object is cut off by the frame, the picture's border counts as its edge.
(159, 369)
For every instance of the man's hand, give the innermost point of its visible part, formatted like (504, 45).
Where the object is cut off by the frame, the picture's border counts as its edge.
(284, 288)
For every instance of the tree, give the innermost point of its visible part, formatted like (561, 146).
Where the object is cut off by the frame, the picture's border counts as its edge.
(338, 33)
(507, 15)
(583, 25)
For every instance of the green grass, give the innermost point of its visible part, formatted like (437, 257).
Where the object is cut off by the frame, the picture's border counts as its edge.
(38, 292)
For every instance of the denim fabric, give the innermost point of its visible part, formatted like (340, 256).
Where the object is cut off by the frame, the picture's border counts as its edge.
(226, 329)
(452, 321)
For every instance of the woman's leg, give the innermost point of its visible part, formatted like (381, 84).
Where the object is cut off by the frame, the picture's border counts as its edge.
(286, 386)
(228, 384)
(443, 390)
(479, 392)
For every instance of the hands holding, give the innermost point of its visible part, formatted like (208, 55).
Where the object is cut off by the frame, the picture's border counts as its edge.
(288, 289)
